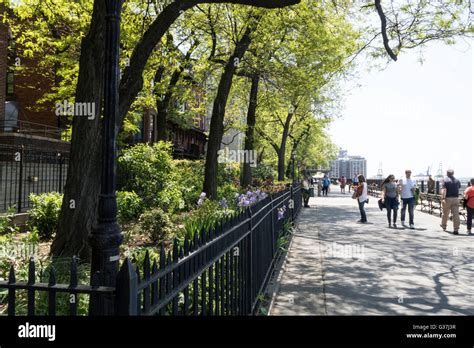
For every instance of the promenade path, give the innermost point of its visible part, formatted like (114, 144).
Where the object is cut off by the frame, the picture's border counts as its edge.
(336, 266)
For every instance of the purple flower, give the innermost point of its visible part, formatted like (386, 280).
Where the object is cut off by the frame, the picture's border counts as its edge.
(200, 201)
(223, 203)
(202, 195)
(281, 213)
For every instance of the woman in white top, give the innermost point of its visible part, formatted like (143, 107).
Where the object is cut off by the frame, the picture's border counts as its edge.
(362, 198)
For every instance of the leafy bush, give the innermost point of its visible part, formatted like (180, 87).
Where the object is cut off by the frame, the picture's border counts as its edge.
(6, 222)
(191, 177)
(228, 173)
(44, 214)
(149, 171)
(130, 206)
(263, 172)
(137, 255)
(156, 224)
(228, 192)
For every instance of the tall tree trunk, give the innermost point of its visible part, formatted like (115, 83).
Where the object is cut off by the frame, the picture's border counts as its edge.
(216, 130)
(289, 166)
(79, 209)
(246, 179)
(161, 130)
(163, 104)
(282, 150)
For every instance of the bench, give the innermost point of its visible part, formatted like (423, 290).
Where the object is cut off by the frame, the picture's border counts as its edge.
(430, 202)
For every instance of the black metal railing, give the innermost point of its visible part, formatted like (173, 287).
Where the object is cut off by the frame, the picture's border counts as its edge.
(221, 271)
(51, 289)
(26, 170)
(33, 129)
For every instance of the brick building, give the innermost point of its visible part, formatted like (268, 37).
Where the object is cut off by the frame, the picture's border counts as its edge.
(26, 121)
(23, 119)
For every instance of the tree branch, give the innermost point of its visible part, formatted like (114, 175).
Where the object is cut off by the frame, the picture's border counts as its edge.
(383, 21)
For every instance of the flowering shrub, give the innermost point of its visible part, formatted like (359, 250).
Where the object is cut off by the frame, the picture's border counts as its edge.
(250, 198)
(207, 215)
(281, 212)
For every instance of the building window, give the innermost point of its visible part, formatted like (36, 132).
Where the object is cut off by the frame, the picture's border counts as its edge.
(10, 83)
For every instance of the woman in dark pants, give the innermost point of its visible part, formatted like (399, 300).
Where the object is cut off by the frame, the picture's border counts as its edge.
(390, 199)
(469, 195)
(362, 198)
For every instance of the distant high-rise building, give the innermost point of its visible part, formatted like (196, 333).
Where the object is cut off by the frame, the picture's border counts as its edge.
(348, 166)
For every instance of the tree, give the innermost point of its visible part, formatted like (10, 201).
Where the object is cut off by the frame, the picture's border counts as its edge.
(79, 208)
(319, 42)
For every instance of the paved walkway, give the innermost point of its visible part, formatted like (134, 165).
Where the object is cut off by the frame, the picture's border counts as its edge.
(338, 267)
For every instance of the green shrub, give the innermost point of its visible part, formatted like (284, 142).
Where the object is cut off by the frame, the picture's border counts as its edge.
(149, 171)
(156, 224)
(6, 222)
(228, 173)
(130, 206)
(228, 192)
(191, 177)
(44, 214)
(263, 172)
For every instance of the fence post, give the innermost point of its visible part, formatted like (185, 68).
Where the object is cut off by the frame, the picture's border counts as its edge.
(20, 181)
(250, 281)
(437, 187)
(293, 205)
(60, 181)
(126, 293)
(423, 186)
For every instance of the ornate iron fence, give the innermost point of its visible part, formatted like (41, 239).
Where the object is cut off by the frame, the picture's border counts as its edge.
(221, 271)
(26, 170)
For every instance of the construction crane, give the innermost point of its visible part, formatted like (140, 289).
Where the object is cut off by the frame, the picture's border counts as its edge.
(380, 171)
(439, 174)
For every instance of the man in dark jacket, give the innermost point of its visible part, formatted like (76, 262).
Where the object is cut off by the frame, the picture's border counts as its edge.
(450, 201)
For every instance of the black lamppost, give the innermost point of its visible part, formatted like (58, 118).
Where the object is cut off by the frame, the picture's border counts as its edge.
(293, 159)
(106, 236)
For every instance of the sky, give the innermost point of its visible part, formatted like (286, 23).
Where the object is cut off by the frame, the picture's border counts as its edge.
(413, 115)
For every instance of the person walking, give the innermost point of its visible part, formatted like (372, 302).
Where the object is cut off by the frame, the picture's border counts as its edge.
(362, 198)
(390, 195)
(326, 183)
(431, 185)
(305, 186)
(450, 201)
(469, 196)
(342, 182)
(407, 192)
